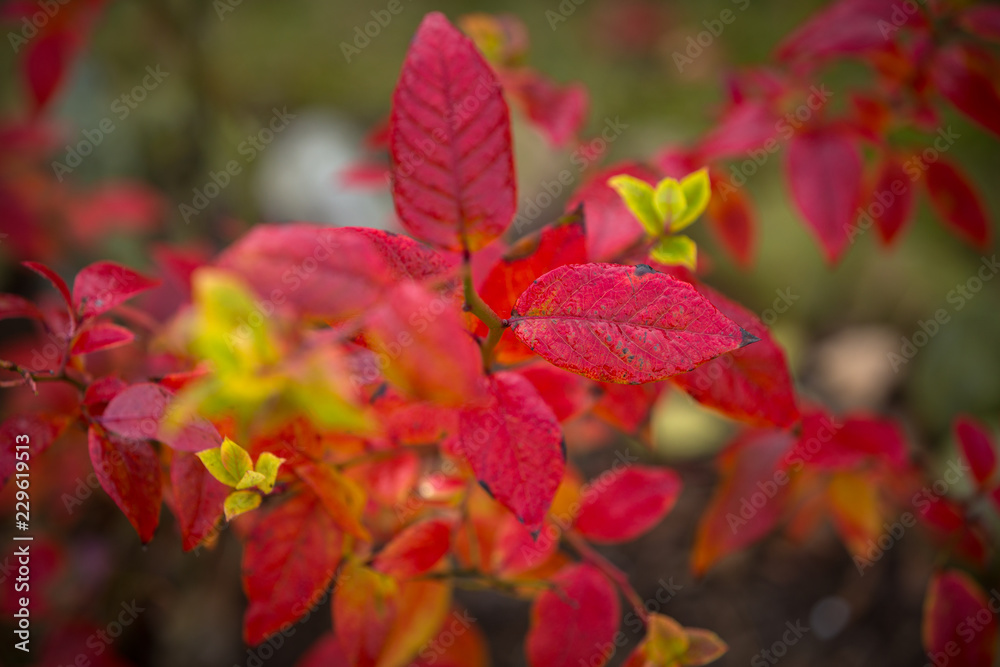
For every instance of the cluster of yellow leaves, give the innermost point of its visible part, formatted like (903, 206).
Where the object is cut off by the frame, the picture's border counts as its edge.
(232, 465)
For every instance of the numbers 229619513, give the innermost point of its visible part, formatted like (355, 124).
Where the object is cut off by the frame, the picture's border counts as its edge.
(21, 473)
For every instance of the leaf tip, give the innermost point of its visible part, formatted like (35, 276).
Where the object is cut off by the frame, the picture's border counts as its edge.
(643, 269)
(748, 338)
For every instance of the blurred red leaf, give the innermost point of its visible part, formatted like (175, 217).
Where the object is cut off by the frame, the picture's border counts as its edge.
(453, 169)
(982, 20)
(626, 324)
(327, 652)
(196, 500)
(39, 431)
(129, 471)
(572, 628)
(101, 286)
(137, 412)
(966, 76)
(53, 278)
(364, 607)
(743, 128)
(566, 393)
(611, 227)
(131, 207)
(558, 111)
(949, 635)
(893, 194)
(977, 447)
(628, 504)
(404, 257)
(958, 203)
(101, 336)
(416, 549)
(13, 306)
(733, 221)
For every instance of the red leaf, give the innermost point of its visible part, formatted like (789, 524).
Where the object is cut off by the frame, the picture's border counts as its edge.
(136, 414)
(891, 204)
(982, 20)
(733, 221)
(130, 473)
(53, 278)
(324, 272)
(197, 498)
(554, 246)
(823, 168)
(515, 447)
(103, 285)
(825, 444)
(101, 336)
(46, 60)
(289, 558)
(12, 306)
(977, 448)
(557, 111)
(749, 498)
(751, 384)
(743, 128)
(958, 203)
(966, 77)
(625, 324)
(628, 504)
(611, 227)
(100, 392)
(39, 431)
(423, 346)
(129, 207)
(566, 393)
(416, 549)
(453, 168)
(327, 652)
(949, 633)
(573, 628)
(404, 257)
(627, 406)
(364, 607)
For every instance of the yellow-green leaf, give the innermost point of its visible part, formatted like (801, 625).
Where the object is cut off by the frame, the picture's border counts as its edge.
(676, 250)
(697, 191)
(250, 479)
(212, 458)
(267, 466)
(704, 647)
(239, 502)
(235, 459)
(638, 197)
(670, 202)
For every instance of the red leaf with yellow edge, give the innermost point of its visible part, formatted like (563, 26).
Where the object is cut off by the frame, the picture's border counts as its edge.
(751, 384)
(625, 324)
(341, 497)
(196, 499)
(554, 246)
(891, 200)
(327, 652)
(585, 609)
(749, 498)
(101, 286)
(137, 412)
(101, 336)
(421, 611)
(515, 447)
(453, 166)
(856, 509)
(949, 635)
(733, 221)
(289, 558)
(977, 447)
(958, 203)
(620, 505)
(415, 550)
(823, 169)
(364, 606)
(611, 227)
(39, 431)
(423, 346)
(404, 257)
(965, 75)
(332, 273)
(130, 473)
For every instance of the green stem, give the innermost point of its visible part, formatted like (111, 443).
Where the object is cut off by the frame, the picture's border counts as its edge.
(475, 305)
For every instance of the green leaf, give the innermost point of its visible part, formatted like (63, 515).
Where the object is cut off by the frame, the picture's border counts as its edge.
(267, 466)
(235, 459)
(250, 479)
(212, 458)
(697, 190)
(638, 197)
(670, 202)
(676, 250)
(239, 502)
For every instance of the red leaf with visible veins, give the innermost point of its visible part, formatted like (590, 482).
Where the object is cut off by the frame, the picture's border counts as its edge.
(416, 549)
(625, 324)
(891, 201)
(573, 626)
(197, 498)
(966, 77)
(977, 448)
(130, 473)
(404, 257)
(136, 413)
(733, 221)
(953, 600)
(611, 227)
(101, 336)
(324, 272)
(628, 504)
(958, 203)
(554, 246)
(103, 285)
(289, 558)
(515, 447)
(823, 168)
(751, 384)
(453, 167)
